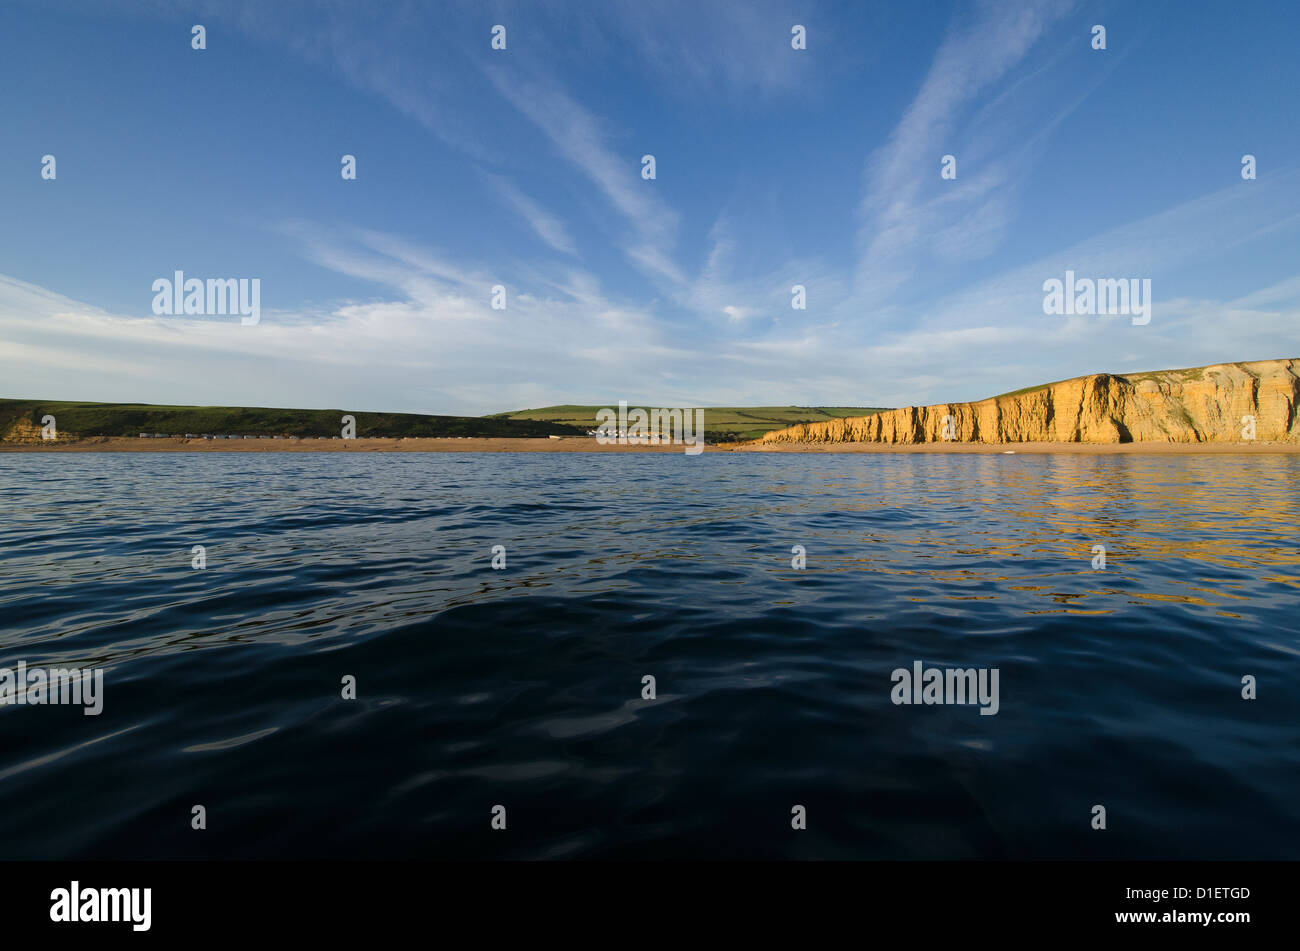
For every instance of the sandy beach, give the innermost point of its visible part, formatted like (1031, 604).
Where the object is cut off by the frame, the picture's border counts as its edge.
(585, 444)
(1027, 448)
(360, 444)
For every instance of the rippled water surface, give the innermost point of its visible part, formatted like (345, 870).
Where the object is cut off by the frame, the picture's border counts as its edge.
(522, 687)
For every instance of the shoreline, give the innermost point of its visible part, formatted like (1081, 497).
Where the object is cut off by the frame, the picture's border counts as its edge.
(587, 444)
(1036, 448)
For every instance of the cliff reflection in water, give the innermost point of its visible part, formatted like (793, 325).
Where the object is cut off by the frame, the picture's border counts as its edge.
(1207, 530)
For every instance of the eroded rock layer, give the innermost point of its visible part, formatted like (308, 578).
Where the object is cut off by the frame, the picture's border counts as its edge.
(1202, 405)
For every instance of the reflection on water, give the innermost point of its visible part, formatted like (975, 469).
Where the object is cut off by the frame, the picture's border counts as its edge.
(1203, 512)
(1120, 685)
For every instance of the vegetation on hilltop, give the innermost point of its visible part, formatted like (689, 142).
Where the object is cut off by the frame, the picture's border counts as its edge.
(131, 419)
(721, 423)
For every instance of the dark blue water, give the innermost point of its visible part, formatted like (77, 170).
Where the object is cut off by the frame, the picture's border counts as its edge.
(522, 687)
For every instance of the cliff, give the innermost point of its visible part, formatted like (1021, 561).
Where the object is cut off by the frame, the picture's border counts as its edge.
(1200, 405)
(25, 432)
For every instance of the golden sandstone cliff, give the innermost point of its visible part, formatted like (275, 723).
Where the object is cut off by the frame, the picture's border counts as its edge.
(1201, 405)
(24, 432)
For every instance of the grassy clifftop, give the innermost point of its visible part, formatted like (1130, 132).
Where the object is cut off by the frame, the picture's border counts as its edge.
(131, 419)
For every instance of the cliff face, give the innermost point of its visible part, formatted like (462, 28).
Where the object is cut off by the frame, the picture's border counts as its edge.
(1188, 406)
(25, 432)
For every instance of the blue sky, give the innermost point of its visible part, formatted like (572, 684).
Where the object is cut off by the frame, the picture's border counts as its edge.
(522, 167)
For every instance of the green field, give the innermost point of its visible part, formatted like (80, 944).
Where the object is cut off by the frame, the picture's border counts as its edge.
(131, 419)
(721, 423)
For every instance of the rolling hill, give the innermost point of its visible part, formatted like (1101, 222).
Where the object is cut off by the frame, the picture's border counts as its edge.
(73, 419)
(721, 423)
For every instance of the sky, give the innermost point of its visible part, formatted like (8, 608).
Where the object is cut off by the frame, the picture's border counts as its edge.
(522, 167)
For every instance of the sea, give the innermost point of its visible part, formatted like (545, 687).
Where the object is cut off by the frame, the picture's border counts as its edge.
(649, 656)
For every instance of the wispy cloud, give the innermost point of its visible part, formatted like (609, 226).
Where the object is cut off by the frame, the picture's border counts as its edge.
(547, 226)
(737, 51)
(430, 342)
(703, 313)
(908, 210)
(577, 135)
